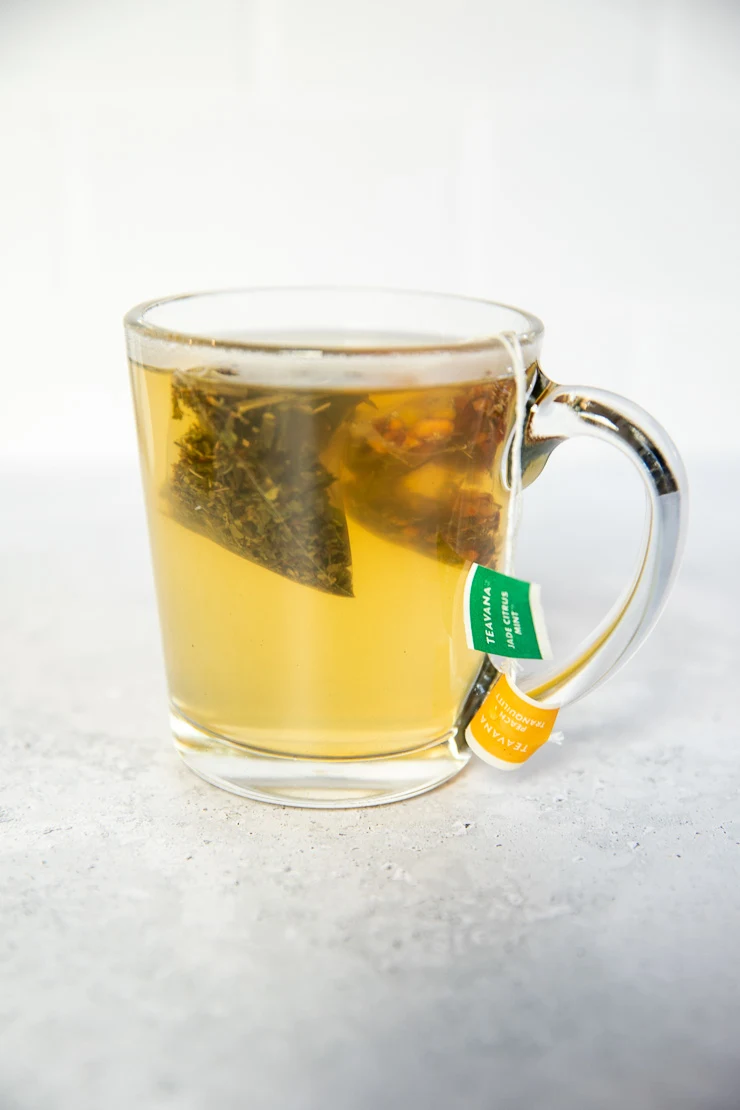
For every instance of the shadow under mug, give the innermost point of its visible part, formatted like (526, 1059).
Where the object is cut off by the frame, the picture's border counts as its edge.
(321, 467)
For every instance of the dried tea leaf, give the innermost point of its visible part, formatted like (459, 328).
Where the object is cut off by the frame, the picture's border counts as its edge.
(250, 476)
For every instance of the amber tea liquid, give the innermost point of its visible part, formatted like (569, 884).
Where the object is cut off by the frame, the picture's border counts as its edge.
(310, 550)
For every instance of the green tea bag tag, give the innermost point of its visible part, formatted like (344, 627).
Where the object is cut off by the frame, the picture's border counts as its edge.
(503, 616)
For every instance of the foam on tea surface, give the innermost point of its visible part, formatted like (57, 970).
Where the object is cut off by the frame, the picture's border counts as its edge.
(309, 358)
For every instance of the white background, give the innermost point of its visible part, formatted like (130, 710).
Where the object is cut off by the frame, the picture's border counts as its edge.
(580, 158)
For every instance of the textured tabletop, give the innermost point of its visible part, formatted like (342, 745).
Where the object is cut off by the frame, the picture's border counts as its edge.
(562, 937)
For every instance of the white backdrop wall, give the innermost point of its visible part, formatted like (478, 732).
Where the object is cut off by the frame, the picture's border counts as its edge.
(580, 158)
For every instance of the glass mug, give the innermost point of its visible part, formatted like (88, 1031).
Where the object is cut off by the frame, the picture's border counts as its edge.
(321, 467)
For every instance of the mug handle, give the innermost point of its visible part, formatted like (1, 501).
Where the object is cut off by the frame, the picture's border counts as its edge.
(557, 413)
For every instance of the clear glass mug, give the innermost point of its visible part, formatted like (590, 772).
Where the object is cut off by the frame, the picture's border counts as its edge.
(321, 467)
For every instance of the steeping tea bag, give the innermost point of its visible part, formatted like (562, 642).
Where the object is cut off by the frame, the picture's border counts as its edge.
(274, 475)
(250, 475)
(421, 469)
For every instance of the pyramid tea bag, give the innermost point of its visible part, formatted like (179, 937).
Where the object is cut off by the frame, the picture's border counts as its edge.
(421, 469)
(250, 476)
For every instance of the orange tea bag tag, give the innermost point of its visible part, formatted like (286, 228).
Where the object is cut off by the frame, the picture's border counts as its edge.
(509, 727)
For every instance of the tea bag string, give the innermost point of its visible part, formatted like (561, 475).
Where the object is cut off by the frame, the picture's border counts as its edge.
(513, 347)
(510, 342)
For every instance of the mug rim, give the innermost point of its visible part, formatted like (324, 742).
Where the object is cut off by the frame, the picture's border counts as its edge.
(528, 331)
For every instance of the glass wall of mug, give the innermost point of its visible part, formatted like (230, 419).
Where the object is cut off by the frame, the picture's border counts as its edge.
(321, 468)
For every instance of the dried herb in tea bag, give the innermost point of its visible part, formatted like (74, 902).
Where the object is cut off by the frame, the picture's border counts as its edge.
(422, 476)
(250, 475)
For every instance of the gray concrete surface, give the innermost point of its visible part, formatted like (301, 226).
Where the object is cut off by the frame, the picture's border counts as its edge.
(566, 937)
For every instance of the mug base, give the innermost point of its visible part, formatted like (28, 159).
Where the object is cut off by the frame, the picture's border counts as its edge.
(317, 783)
